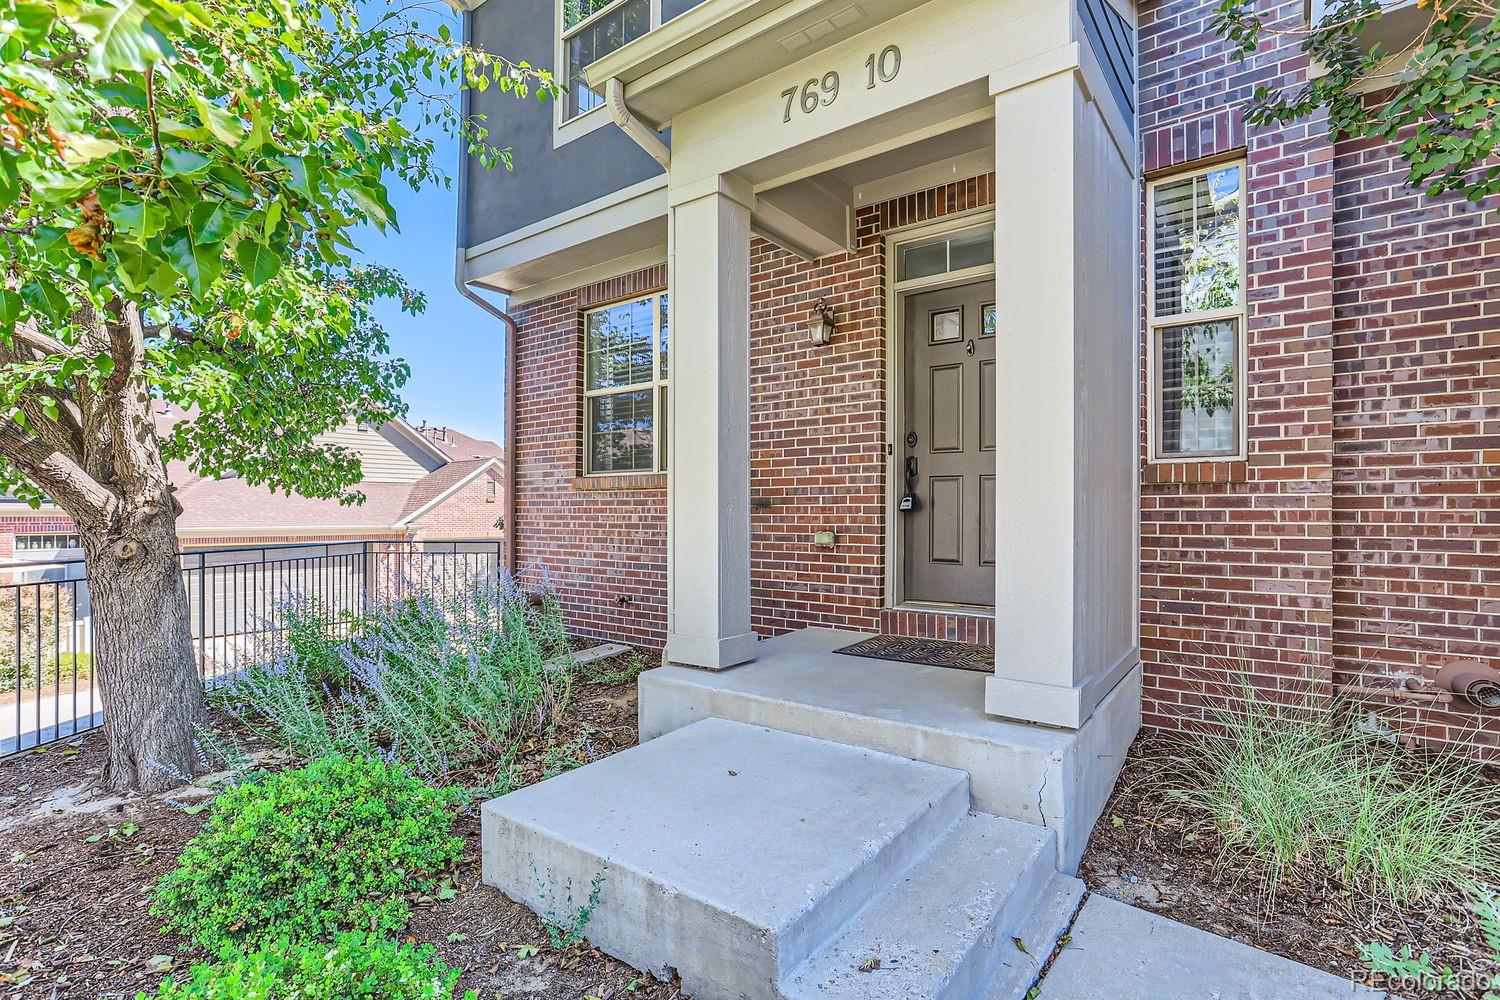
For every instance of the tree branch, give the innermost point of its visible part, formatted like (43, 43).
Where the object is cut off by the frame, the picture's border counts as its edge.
(55, 473)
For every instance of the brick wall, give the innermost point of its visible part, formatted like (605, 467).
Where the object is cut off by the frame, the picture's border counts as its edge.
(817, 449)
(1236, 559)
(1416, 578)
(1352, 546)
(471, 513)
(32, 523)
(601, 543)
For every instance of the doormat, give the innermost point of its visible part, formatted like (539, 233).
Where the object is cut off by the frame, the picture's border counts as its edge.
(929, 652)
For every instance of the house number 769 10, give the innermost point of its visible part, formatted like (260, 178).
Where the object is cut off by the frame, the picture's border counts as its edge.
(819, 92)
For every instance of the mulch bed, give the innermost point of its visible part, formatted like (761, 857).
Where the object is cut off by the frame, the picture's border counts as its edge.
(1152, 852)
(75, 898)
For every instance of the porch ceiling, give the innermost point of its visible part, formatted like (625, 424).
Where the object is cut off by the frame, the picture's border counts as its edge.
(721, 45)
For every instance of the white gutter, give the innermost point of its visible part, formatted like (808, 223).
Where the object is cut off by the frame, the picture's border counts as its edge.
(644, 135)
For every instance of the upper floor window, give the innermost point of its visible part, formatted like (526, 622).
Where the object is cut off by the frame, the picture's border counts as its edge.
(591, 29)
(1196, 305)
(625, 387)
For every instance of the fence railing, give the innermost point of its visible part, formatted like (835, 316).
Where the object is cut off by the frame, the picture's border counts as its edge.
(236, 608)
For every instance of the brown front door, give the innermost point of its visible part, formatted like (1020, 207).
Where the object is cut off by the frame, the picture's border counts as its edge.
(948, 445)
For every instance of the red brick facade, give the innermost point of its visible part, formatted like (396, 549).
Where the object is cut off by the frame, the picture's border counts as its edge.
(1357, 548)
(817, 450)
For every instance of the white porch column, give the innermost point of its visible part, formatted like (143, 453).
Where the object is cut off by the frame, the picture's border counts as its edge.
(708, 496)
(1065, 250)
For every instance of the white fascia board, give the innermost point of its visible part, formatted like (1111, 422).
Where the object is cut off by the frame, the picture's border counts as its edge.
(417, 437)
(517, 260)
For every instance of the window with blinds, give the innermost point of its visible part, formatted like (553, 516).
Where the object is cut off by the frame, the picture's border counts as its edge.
(625, 387)
(1197, 313)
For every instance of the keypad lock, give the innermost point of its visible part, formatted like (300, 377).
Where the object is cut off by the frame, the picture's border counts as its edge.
(908, 500)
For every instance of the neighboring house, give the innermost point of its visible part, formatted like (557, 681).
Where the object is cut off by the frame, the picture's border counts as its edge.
(991, 320)
(418, 486)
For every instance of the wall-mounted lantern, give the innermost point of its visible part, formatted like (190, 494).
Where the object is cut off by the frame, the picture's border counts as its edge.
(820, 324)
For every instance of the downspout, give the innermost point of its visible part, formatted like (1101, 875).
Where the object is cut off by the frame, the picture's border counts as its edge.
(644, 135)
(512, 328)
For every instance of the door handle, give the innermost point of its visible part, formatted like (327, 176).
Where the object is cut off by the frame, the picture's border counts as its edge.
(969, 348)
(909, 498)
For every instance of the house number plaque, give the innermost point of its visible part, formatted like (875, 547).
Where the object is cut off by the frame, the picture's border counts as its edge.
(819, 92)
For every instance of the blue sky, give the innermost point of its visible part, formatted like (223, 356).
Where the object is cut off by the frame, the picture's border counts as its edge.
(454, 348)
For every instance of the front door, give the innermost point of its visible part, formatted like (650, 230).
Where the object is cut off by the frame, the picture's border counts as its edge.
(948, 445)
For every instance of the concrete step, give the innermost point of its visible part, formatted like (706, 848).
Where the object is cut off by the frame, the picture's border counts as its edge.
(1040, 932)
(946, 925)
(729, 853)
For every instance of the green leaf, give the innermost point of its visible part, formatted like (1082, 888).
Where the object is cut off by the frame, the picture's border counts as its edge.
(224, 126)
(120, 37)
(260, 263)
(177, 161)
(214, 221)
(198, 263)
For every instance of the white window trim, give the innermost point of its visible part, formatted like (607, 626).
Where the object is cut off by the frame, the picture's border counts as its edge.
(1155, 324)
(565, 129)
(656, 385)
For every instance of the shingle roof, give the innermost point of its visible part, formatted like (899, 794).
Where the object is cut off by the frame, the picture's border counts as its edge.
(437, 482)
(459, 445)
(233, 504)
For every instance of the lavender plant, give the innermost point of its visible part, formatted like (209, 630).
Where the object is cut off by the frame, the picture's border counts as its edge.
(447, 682)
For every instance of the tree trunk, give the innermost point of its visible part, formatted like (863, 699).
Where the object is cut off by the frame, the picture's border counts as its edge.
(143, 649)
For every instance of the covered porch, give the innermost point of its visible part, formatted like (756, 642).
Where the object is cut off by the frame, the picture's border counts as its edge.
(783, 117)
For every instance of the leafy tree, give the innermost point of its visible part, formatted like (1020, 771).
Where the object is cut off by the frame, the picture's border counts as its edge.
(179, 184)
(1439, 97)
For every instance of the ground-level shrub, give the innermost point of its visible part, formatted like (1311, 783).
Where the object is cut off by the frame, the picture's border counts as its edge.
(340, 844)
(1301, 787)
(1407, 970)
(448, 683)
(354, 966)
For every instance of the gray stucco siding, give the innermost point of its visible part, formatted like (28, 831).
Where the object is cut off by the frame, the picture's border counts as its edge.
(544, 181)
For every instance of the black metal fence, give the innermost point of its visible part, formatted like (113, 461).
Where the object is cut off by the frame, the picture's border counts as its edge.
(237, 601)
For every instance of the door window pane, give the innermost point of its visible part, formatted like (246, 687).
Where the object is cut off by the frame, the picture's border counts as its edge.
(1197, 389)
(956, 252)
(924, 260)
(620, 434)
(947, 326)
(971, 250)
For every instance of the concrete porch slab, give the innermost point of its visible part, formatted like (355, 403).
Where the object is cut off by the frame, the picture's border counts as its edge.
(1119, 952)
(730, 853)
(1055, 778)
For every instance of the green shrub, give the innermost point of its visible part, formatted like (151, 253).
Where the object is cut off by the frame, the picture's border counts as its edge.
(448, 684)
(355, 966)
(336, 845)
(1300, 785)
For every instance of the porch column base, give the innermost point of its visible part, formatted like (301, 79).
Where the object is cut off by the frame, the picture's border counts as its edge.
(1052, 704)
(708, 652)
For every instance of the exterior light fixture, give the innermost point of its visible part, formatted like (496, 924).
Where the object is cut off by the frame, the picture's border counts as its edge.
(820, 324)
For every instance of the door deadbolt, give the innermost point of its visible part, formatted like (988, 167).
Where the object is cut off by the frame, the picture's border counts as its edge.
(911, 439)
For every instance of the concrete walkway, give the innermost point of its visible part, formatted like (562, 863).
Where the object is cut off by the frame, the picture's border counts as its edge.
(1118, 952)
